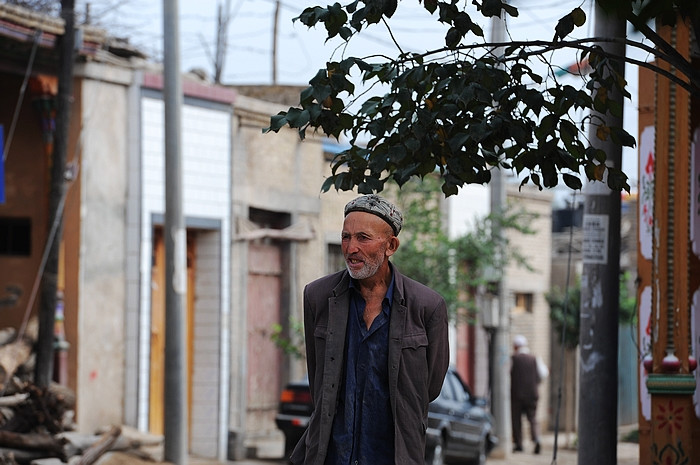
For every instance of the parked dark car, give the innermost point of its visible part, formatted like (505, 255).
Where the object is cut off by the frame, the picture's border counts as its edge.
(460, 427)
(294, 412)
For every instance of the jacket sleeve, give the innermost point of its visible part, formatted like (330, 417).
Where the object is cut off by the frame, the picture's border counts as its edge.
(438, 349)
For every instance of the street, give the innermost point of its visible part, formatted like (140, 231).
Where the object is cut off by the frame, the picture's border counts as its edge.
(269, 453)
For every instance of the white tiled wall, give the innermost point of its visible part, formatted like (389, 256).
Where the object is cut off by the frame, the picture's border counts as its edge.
(206, 168)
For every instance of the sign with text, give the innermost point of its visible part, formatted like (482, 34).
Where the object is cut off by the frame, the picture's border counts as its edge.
(595, 239)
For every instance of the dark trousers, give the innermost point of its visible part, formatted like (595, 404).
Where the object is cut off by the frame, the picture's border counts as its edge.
(517, 410)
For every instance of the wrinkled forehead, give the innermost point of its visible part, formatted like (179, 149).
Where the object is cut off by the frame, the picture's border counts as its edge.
(358, 221)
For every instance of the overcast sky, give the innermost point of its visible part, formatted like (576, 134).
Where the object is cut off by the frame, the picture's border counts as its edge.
(301, 51)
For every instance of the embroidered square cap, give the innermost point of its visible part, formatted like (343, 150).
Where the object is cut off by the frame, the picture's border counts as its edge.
(377, 205)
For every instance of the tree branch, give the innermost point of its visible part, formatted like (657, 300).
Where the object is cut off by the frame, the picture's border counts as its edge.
(692, 85)
(662, 45)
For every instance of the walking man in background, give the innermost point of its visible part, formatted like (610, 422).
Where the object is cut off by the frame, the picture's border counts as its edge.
(526, 373)
(376, 350)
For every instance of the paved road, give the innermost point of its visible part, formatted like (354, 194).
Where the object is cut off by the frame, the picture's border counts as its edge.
(627, 454)
(269, 453)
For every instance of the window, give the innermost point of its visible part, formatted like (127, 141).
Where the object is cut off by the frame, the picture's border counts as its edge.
(335, 260)
(16, 236)
(523, 302)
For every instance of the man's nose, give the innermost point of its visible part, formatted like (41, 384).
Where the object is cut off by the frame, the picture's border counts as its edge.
(350, 245)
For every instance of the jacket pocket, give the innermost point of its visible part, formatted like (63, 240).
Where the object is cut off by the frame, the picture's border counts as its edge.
(321, 332)
(414, 372)
(414, 341)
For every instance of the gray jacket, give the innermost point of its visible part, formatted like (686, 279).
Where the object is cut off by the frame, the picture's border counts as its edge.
(418, 360)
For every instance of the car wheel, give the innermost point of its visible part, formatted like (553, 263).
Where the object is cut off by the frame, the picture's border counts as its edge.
(438, 454)
(481, 458)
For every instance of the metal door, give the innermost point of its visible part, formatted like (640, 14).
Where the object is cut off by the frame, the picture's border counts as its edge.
(264, 295)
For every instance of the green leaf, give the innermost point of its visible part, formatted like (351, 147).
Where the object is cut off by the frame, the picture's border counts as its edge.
(578, 16)
(306, 95)
(452, 37)
(345, 33)
(617, 180)
(295, 117)
(547, 126)
(276, 122)
(622, 137)
(449, 189)
(311, 16)
(573, 182)
(568, 132)
(510, 9)
(536, 180)
(327, 184)
(525, 180)
(564, 27)
(491, 8)
(334, 20)
(430, 5)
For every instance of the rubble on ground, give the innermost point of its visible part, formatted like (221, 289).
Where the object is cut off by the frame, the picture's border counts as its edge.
(36, 424)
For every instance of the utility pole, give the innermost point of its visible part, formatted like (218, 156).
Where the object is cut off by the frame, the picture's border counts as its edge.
(500, 343)
(274, 42)
(600, 288)
(47, 311)
(175, 416)
(223, 18)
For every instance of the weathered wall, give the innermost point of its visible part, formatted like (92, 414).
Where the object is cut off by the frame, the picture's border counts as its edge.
(280, 173)
(101, 276)
(26, 196)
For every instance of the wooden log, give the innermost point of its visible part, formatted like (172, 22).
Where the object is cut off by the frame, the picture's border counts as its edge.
(49, 445)
(16, 353)
(94, 452)
(20, 455)
(63, 394)
(81, 442)
(41, 409)
(12, 356)
(13, 400)
(7, 335)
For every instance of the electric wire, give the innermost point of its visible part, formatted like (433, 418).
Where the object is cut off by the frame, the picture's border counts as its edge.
(22, 92)
(42, 264)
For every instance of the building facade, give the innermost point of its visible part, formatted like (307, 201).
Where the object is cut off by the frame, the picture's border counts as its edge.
(257, 229)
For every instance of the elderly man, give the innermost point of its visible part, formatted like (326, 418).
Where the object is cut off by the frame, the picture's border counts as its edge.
(376, 350)
(526, 373)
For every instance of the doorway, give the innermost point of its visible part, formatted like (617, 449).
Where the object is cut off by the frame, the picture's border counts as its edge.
(157, 358)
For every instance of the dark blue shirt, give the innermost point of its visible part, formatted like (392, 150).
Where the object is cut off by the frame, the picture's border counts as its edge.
(363, 427)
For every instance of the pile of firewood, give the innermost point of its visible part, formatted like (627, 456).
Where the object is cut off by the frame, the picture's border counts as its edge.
(36, 424)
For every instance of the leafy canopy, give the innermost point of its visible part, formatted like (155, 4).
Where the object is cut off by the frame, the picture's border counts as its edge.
(472, 106)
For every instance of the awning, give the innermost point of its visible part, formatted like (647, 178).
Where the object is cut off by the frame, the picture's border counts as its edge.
(246, 230)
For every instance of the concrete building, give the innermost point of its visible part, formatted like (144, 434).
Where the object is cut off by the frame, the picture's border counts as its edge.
(257, 230)
(527, 281)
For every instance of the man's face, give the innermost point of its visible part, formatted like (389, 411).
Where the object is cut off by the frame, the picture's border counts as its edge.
(367, 243)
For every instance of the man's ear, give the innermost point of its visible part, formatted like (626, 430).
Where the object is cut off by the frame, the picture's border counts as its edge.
(393, 246)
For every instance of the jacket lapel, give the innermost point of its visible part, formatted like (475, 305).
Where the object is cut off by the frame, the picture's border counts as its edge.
(334, 361)
(397, 329)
